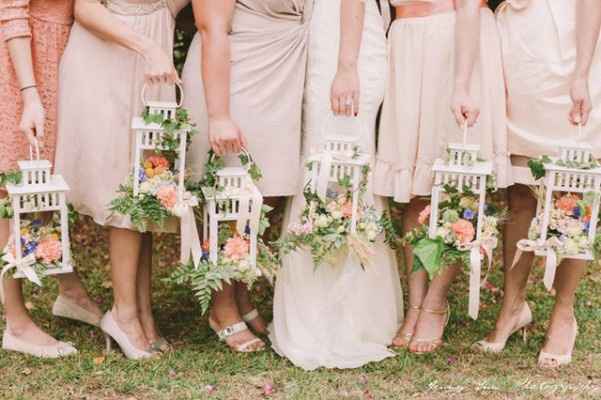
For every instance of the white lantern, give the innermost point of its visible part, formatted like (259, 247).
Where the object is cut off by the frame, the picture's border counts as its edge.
(238, 200)
(562, 177)
(338, 158)
(149, 137)
(463, 171)
(39, 192)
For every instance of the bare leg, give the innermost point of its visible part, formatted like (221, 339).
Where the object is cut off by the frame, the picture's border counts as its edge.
(434, 313)
(522, 208)
(18, 320)
(144, 289)
(71, 287)
(241, 291)
(561, 334)
(225, 313)
(125, 248)
(417, 281)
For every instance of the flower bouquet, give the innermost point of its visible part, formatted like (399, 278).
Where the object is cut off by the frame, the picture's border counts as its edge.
(155, 192)
(327, 229)
(455, 234)
(237, 219)
(10, 177)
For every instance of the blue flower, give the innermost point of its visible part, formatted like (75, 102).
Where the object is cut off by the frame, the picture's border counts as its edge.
(331, 194)
(587, 226)
(576, 212)
(141, 175)
(204, 256)
(469, 214)
(36, 223)
(247, 229)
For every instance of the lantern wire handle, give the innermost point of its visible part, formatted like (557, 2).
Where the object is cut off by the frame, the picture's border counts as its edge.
(35, 146)
(579, 130)
(465, 132)
(243, 151)
(177, 85)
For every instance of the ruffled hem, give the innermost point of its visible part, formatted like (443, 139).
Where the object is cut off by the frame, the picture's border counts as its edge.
(124, 222)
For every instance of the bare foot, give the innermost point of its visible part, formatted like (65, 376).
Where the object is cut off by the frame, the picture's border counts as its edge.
(221, 320)
(29, 332)
(561, 336)
(405, 333)
(429, 328)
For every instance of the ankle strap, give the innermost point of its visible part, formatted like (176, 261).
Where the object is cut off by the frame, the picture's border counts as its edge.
(440, 311)
(232, 330)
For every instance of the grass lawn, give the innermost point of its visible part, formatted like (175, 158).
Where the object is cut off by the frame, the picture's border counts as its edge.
(203, 368)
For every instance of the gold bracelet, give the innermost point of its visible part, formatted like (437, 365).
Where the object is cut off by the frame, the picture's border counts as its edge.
(28, 87)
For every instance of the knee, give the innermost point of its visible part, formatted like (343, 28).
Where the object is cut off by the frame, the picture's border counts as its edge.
(521, 199)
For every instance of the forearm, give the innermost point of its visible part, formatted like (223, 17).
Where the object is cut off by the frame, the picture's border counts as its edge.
(588, 24)
(97, 19)
(20, 54)
(352, 15)
(467, 41)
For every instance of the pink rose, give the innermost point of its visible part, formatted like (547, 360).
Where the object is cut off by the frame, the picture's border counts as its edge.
(347, 209)
(49, 250)
(167, 195)
(424, 215)
(464, 230)
(567, 203)
(236, 248)
(303, 229)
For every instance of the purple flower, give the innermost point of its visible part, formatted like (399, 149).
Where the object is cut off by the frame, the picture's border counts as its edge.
(468, 214)
(30, 248)
(141, 175)
(576, 213)
(36, 223)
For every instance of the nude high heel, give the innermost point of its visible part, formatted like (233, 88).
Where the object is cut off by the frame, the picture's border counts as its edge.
(524, 321)
(406, 336)
(554, 361)
(58, 350)
(112, 331)
(66, 308)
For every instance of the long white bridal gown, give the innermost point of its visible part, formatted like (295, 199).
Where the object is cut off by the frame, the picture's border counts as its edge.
(338, 316)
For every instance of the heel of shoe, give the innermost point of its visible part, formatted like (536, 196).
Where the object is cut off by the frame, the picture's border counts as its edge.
(525, 334)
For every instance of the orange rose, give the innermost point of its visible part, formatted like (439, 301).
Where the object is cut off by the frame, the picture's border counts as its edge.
(567, 203)
(236, 248)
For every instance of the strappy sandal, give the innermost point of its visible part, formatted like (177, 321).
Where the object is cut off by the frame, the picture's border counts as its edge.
(436, 342)
(161, 345)
(406, 336)
(554, 361)
(229, 331)
(250, 317)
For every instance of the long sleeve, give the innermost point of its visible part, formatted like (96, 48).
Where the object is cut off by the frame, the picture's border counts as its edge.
(14, 19)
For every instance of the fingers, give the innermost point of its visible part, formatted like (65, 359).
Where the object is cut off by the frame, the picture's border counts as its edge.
(472, 115)
(356, 103)
(459, 117)
(336, 105)
(575, 114)
(243, 141)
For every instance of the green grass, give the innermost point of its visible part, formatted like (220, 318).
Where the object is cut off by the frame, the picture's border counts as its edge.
(200, 360)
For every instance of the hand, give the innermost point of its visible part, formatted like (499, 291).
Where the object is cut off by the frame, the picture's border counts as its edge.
(225, 137)
(33, 117)
(464, 108)
(344, 95)
(159, 67)
(581, 102)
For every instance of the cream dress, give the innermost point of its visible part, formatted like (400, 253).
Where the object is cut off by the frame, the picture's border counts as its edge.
(539, 54)
(338, 316)
(417, 123)
(269, 60)
(99, 93)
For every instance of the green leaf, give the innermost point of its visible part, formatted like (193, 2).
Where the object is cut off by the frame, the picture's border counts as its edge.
(429, 252)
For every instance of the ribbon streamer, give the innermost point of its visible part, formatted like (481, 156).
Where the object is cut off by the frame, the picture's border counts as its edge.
(190, 238)
(24, 266)
(475, 283)
(549, 247)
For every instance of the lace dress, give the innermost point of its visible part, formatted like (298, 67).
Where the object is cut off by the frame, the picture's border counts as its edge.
(338, 316)
(99, 94)
(47, 22)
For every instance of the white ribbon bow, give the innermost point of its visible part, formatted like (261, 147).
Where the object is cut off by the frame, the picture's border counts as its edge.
(25, 266)
(549, 247)
(476, 269)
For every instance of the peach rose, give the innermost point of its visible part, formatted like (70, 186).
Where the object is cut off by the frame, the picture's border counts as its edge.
(424, 215)
(49, 250)
(236, 248)
(158, 161)
(464, 230)
(567, 203)
(167, 195)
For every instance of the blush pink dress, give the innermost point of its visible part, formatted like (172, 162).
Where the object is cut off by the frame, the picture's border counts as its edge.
(48, 23)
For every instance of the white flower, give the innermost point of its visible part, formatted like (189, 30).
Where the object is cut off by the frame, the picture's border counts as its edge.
(571, 247)
(337, 214)
(322, 221)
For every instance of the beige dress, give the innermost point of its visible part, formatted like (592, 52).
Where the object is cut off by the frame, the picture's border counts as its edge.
(99, 93)
(417, 123)
(269, 56)
(539, 54)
